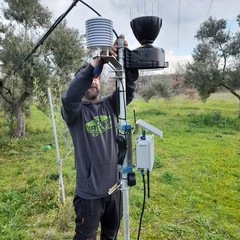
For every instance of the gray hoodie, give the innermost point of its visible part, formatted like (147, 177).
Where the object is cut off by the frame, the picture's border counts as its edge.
(93, 130)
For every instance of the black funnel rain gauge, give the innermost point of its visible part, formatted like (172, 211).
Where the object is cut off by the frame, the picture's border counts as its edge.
(146, 30)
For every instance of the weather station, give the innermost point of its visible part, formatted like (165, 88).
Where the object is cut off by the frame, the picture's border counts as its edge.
(99, 35)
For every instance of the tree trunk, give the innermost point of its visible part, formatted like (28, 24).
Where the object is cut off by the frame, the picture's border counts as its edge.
(20, 121)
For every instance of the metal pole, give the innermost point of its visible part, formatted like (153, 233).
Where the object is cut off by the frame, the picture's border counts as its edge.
(59, 161)
(123, 123)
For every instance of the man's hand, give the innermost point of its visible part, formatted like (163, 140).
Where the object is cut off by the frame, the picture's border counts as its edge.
(98, 61)
(113, 50)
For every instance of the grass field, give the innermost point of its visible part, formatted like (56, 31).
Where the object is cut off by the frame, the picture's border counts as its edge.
(194, 186)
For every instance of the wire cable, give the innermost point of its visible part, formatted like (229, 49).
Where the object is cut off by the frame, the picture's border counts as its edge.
(178, 25)
(122, 148)
(209, 9)
(46, 35)
(143, 206)
(124, 100)
(117, 89)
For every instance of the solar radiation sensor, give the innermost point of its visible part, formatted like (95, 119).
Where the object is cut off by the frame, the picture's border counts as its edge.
(146, 30)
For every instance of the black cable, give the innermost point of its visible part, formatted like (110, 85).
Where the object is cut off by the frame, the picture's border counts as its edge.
(125, 112)
(55, 24)
(122, 148)
(117, 104)
(118, 91)
(148, 183)
(41, 41)
(143, 206)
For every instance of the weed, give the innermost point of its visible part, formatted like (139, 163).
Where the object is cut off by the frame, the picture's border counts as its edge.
(169, 178)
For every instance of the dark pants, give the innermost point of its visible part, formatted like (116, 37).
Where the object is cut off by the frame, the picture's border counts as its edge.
(91, 212)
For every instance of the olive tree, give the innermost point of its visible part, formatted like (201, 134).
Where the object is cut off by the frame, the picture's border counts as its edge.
(215, 59)
(50, 66)
(23, 19)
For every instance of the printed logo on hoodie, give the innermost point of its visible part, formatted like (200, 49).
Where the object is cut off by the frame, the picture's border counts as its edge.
(98, 125)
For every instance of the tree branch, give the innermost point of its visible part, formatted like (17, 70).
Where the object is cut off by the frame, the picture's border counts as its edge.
(5, 96)
(231, 91)
(25, 95)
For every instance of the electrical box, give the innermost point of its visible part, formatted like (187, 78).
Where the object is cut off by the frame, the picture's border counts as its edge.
(145, 152)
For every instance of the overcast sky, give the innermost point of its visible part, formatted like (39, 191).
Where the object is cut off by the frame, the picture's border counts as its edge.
(180, 19)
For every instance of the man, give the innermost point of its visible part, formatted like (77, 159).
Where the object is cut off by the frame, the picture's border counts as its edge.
(92, 122)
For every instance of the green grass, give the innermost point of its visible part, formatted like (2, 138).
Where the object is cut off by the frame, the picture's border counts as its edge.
(194, 186)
